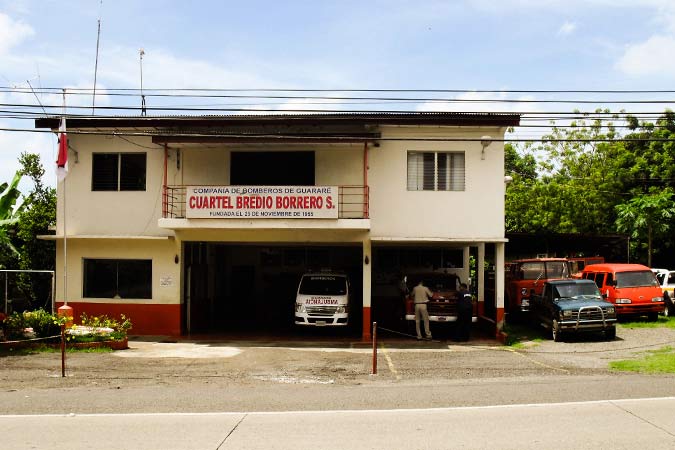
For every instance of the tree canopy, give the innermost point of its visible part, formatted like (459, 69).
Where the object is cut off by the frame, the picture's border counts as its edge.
(22, 219)
(588, 177)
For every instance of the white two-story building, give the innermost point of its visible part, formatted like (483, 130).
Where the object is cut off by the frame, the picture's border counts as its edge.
(205, 224)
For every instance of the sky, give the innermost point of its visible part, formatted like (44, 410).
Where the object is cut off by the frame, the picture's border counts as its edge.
(470, 45)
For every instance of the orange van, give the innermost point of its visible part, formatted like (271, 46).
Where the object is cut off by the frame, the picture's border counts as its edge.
(633, 288)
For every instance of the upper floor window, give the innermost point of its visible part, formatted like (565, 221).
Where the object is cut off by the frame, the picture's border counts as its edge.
(118, 172)
(436, 171)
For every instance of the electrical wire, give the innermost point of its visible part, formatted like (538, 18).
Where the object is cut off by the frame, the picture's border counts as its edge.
(348, 139)
(517, 91)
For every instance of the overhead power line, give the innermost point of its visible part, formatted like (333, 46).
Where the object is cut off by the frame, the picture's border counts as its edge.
(282, 136)
(584, 115)
(148, 93)
(456, 91)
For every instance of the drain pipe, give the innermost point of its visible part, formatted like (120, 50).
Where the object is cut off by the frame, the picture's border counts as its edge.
(366, 201)
(165, 199)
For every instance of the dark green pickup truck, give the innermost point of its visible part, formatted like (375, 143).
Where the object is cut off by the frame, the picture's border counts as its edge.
(573, 306)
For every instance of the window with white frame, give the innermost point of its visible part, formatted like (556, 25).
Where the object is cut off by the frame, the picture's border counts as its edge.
(436, 171)
(118, 171)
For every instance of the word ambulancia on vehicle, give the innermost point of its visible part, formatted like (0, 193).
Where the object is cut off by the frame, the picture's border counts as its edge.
(323, 300)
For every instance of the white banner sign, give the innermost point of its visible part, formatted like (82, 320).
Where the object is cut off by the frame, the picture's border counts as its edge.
(261, 202)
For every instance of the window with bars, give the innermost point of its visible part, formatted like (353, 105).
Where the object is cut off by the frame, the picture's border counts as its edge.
(118, 171)
(436, 171)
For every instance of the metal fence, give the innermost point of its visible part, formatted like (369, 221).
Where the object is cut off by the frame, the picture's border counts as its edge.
(353, 202)
(14, 299)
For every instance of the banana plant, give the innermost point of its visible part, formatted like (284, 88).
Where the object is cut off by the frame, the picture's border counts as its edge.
(12, 205)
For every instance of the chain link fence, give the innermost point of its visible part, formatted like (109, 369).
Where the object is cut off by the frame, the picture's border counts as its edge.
(26, 290)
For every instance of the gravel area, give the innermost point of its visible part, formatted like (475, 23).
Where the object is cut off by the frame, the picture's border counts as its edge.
(324, 362)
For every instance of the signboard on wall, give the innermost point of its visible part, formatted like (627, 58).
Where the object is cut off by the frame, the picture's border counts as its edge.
(261, 202)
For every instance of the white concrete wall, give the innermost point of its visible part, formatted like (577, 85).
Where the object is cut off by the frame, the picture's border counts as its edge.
(133, 213)
(161, 251)
(474, 214)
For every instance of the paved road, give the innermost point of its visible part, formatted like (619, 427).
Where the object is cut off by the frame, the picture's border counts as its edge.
(426, 395)
(615, 424)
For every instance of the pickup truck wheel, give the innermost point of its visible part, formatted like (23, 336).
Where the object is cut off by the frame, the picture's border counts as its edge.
(556, 334)
(610, 333)
(666, 311)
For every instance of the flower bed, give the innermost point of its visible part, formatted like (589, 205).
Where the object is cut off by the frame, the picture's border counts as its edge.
(35, 328)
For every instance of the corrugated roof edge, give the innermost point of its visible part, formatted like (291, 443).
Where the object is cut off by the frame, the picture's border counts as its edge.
(389, 118)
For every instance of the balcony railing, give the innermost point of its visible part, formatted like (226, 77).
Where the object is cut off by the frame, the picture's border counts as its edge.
(352, 202)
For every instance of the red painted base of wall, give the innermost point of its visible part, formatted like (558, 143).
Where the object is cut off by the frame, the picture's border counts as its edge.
(146, 319)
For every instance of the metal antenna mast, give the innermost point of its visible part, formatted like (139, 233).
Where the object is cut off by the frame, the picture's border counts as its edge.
(141, 52)
(98, 39)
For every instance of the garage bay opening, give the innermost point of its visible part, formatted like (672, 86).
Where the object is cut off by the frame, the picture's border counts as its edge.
(251, 289)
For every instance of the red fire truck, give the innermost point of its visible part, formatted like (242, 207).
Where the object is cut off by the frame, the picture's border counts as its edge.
(527, 276)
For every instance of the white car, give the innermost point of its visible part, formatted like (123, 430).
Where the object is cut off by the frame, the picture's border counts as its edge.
(667, 282)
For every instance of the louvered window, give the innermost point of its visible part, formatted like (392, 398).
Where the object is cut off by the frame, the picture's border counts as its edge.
(436, 171)
(118, 171)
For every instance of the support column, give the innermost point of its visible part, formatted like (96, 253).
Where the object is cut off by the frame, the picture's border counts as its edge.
(367, 264)
(499, 285)
(466, 263)
(480, 274)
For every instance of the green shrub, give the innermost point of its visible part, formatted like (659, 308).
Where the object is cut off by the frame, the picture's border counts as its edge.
(120, 326)
(14, 326)
(93, 329)
(43, 323)
(40, 321)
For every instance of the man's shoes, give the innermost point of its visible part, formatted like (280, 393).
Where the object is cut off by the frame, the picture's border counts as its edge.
(419, 338)
(429, 337)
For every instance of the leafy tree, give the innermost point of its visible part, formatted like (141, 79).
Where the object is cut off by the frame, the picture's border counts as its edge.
(573, 184)
(517, 165)
(588, 178)
(647, 216)
(10, 211)
(36, 219)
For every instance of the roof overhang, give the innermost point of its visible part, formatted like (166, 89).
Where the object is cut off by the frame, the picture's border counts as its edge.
(362, 120)
(344, 128)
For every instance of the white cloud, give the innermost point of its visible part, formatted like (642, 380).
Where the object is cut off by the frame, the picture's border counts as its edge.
(12, 33)
(14, 143)
(567, 28)
(651, 57)
(481, 102)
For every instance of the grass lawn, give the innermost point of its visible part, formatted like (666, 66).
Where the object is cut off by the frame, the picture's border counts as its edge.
(654, 361)
(22, 351)
(518, 333)
(668, 322)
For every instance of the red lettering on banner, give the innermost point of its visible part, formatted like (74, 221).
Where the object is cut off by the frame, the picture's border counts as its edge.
(301, 202)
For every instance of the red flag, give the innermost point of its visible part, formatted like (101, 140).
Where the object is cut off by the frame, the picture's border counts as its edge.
(62, 161)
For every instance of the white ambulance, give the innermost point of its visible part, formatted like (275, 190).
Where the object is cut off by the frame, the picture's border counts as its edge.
(323, 300)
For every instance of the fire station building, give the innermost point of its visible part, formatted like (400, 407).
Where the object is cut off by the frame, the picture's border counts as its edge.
(205, 224)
